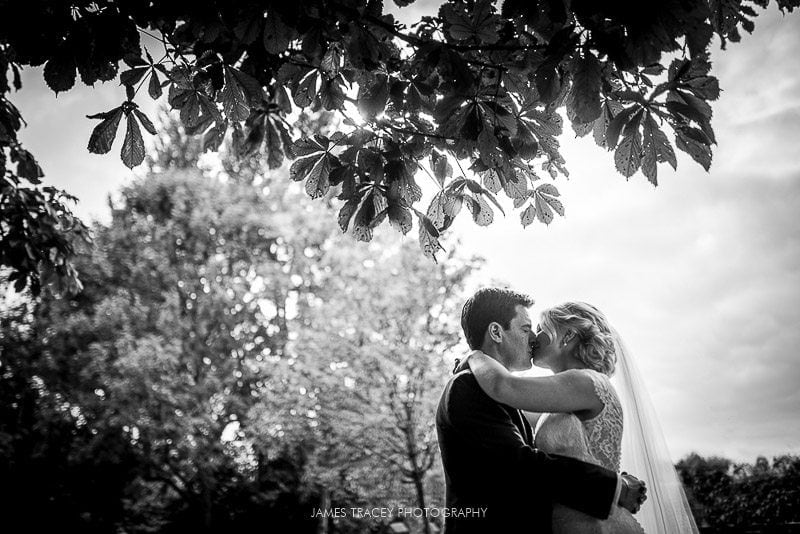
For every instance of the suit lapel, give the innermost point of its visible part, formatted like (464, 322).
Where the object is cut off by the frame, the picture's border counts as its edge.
(522, 425)
(516, 416)
(527, 426)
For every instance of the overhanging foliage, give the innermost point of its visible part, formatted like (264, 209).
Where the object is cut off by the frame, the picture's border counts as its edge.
(478, 87)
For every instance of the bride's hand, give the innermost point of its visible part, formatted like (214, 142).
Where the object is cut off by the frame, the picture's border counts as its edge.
(477, 359)
(483, 365)
(633, 494)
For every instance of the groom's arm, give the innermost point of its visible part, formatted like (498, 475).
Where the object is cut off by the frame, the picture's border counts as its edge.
(576, 484)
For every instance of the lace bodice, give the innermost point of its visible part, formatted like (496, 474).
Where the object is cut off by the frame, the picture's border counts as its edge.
(604, 432)
(597, 440)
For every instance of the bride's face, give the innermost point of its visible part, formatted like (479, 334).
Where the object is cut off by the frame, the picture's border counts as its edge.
(545, 352)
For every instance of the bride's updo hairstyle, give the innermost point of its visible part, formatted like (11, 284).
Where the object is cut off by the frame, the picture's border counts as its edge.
(595, 347)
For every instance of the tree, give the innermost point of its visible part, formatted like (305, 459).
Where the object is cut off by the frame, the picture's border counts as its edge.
(469, 86)
(373, 364)
(724, 494)
(163, 351)
(156, 362)
(166, 394)
(58, 471)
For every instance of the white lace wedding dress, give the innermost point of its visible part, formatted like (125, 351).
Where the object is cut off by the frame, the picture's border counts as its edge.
(598, 441)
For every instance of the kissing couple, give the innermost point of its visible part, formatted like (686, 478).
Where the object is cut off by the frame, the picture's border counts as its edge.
(565, 477)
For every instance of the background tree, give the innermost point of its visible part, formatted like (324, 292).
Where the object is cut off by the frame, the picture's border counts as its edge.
(728, 495)
(166, 395)
(375, 362)
(165, 349)
(468, 88)
(58, 468)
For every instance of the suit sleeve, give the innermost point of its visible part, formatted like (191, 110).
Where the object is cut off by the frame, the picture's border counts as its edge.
(585, 487)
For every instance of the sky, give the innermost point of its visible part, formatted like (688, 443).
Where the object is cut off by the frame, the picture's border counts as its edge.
(700, 275)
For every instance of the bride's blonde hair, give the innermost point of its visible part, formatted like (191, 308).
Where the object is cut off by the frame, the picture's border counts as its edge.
(595, 347)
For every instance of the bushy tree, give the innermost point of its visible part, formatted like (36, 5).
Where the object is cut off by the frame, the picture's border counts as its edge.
(724, 494)
(373, 365)
(59, 469)
(166, 347)
(166, 395)
(471, 94)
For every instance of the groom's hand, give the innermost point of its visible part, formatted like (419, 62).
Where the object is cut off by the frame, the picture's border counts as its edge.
(633, 493)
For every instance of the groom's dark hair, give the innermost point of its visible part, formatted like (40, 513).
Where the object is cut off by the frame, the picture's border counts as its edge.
(490, 305)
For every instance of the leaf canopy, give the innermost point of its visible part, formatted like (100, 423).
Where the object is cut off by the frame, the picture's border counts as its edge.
(478, 86)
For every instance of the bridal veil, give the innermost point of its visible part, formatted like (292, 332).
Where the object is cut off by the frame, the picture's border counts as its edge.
(645, 454)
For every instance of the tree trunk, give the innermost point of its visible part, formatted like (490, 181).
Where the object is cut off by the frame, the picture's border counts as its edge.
(420, 489)
(207, 505)
(417, 474)
(325, 503)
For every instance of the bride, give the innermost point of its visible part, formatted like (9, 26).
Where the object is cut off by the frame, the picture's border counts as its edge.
(582, 416)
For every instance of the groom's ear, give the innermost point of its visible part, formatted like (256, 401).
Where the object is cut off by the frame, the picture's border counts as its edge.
(495, 332)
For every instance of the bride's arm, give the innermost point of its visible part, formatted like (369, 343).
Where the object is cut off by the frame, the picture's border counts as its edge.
(568, 391)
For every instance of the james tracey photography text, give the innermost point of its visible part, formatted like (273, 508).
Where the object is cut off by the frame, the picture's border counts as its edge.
(389, 512)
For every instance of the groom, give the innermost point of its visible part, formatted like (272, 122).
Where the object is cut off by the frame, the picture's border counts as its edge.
(487, 449)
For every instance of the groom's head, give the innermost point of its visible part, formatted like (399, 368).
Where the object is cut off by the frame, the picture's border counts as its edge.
(495, 320)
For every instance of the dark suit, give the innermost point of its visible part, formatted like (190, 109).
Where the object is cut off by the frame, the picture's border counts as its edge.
(489, 462)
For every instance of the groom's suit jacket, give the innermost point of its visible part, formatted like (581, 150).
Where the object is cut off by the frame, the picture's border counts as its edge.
(490, 463)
